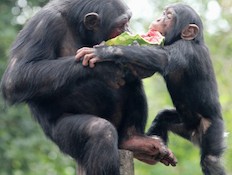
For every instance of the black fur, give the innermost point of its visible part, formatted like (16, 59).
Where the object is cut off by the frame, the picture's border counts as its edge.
(188, 72)
(81, 109)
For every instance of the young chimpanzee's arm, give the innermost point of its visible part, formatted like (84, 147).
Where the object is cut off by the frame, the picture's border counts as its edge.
(143, 60)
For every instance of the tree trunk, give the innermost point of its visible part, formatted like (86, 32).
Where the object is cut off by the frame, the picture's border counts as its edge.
(126, 164)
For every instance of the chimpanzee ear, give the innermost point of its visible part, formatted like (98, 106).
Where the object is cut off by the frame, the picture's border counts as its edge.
(91, 21)
(190, 32)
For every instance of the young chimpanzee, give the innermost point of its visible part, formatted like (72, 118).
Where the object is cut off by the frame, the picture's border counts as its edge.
(185, 64)
(87, 113)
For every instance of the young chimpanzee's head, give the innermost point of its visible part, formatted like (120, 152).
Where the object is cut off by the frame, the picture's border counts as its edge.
(99, 20)
(179, 21)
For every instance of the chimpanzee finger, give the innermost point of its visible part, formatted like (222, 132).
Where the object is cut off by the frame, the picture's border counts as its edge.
(168, 161)
(82, 52)
(83, 49)
(165, 162)
(93, 61)
(170, 158)
(87, 58)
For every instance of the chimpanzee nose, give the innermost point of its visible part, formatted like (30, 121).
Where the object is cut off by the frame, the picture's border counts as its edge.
(159, 19)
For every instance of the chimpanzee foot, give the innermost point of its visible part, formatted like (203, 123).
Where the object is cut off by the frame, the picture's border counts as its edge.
(149, 150)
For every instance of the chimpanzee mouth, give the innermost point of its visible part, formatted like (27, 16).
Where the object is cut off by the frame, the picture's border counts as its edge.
(114, 35)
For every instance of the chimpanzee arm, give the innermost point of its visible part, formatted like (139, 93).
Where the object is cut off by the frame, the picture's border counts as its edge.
(146, 59)
(143, 60)
(37, 67)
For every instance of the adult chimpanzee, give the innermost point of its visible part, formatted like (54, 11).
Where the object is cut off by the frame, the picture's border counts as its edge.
(85, 112)
(185, 64)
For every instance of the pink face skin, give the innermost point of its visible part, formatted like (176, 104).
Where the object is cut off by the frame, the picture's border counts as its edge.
(164, 23)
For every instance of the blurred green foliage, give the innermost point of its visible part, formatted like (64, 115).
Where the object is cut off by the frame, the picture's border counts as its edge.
(24, 150)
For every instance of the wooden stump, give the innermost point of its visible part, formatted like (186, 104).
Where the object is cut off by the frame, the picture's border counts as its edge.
(126, 164)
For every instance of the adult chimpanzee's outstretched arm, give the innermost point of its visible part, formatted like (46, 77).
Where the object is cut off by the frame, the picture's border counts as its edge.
(144, 60)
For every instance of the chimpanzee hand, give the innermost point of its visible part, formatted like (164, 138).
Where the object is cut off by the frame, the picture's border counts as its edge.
(149, 150)
(113, 75)
(88, 56)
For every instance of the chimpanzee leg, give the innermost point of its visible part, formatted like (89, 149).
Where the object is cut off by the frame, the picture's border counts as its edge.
(131, 132)
(92, 141)
(210, 141)
(168, 120)
(135, 106)
(212, 147)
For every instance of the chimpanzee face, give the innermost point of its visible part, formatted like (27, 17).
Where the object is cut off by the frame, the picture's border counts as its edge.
(106, 27)
(120, 25)
(165, 23)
